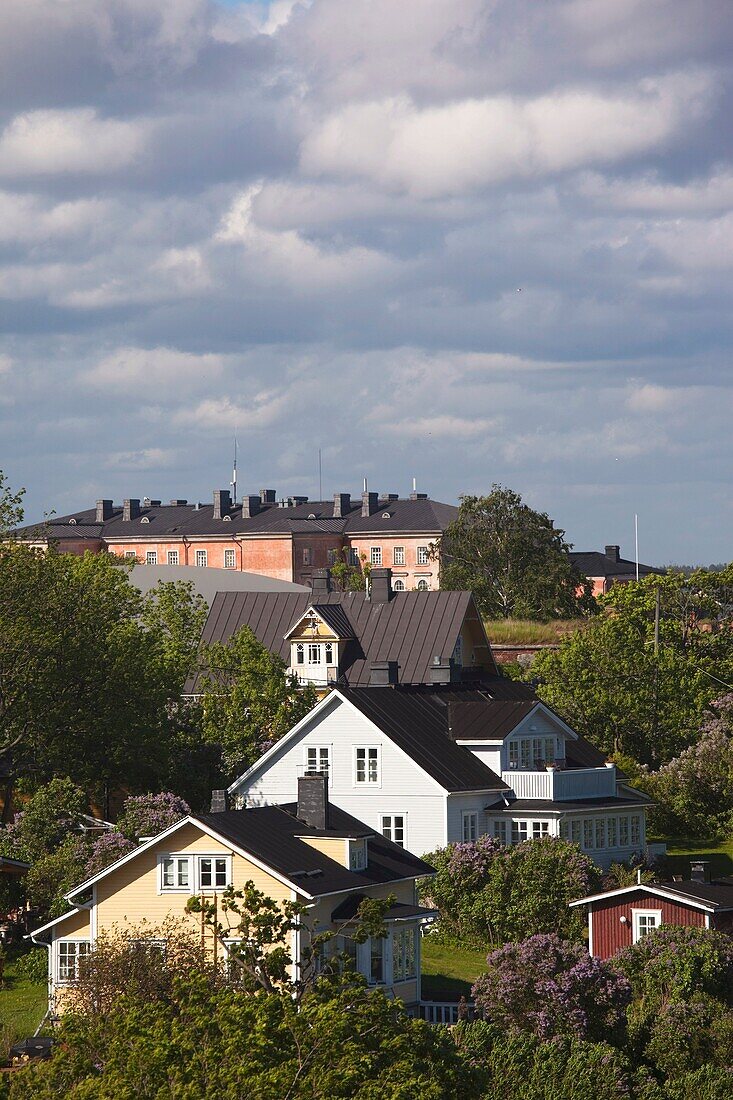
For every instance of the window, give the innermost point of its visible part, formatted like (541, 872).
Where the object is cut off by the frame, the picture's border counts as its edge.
(130, 554)
(175, 873)
(70, 954)
(635, 829)
(470, 825)
(201, 557)
(300, 654)
(229, 559)
(314, 654)
(375, 555)
(393, 827)
(367, 765)
(588, 833)
(318, 758)
(404, 955)
(564, 829)
(526, 753)
(549, 743)
(520, 831)
(623, 832)
(213, 872)
(398, 555)
(328, 647)
(173, 557)
(513, 754)
(357, 855)
(376, 960)
(151, 557)
(354, 555)
(645, 921)
(332, 556)
(423, 555)
(398, 586)
(600, 832)
(422, 585)
(499, 830)
(306, 555)
(612, 832)
(575, 832)
(540, 829)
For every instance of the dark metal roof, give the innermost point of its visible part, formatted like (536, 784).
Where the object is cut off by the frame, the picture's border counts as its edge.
(488, 720)
(13, 866)
(593, 563)
(718, 894)
(274, 835)
(349, 907)
(418, 723)
(531, 805)
(334, 616)
(410, 629)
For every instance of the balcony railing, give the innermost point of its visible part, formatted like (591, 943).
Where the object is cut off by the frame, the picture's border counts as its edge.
(555, 785)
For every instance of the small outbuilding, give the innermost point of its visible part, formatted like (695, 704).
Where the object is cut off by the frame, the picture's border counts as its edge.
(618, 918)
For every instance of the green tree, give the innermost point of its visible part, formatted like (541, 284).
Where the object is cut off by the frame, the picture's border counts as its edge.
(175, 615)
(513, 559)
(629, 693)
(11, 506)
(348, 576)
(248, 699)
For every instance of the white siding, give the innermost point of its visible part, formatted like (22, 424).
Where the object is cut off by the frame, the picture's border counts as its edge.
(404, 788)
(457, 804)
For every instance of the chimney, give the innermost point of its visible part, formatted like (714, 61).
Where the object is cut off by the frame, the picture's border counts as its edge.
(313, 799)
(222, 503)
(393, 496)
(369, 502)
(383, 674)
(250, 506)
(219, 802)
(613, 552)
(380, 585)
(320, 582)
(294, 502)
(130, 509)
(441, 670)
(177, 502)
(699, 870)
(418, 496)
(267, 496)
(341, 505)
(104, 510)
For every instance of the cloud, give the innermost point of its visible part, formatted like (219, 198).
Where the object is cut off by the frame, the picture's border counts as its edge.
(650, 193)
(52, 142)
(441, 150)
(264, 410)
(140, 371)
(649, 398)
(150, 458)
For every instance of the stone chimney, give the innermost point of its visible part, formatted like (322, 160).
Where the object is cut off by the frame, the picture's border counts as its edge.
(313, 799)
(383, 674)
(320, 582)
(699, 870)
(222, 503)
(441, 670)
(178, 502)
(613, 552)
(418, 496)
(341, 505)
(104, 510)
(267, 496)
(369, 503)
(130, 509)
(250, 506)
(380, 585)
(219, 802)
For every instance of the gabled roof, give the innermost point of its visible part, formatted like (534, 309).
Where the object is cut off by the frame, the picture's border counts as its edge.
(715, 896)
(13, 866)
(411, 628)
(332, 615)
(594, 563)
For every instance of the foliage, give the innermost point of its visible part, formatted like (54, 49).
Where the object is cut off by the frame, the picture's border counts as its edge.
(175, 615)
(552, 987)
(489, 893)
(54, 874)
(218, 1044)
(609, 683)
(11, 506)
(348, 576)
(513, 559)
(678, 963)
(706, 1083)
(33, 965)
(45, 820)
(103, 851)
(628, 873)
(149, 814)
(249, 700)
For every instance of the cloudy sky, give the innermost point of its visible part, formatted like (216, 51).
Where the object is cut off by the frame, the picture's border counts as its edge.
(464, 241)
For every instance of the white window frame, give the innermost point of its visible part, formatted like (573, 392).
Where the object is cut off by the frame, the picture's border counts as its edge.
(357, 855)
(299, 653)
(215, 887)
(172, 557)
(230, 558)
(423, 555)
(178, 857)
(398, 585)
(637, 914)
(78, 956)
(382, 941)
(389, 828)
(588, 833)
(404, 953)
(623, 831)
(314, 654)
(635, 830)
(354, 558)
(151, 557)
(576, 831)
(469, 826)
(398, 555)
(202, 554)
(612, 832)
(328, 657)
(375, 555)
(520, 830)
(367, 750)
(499, 829)
(131, 554)
(422, 585)
(319, 751)
(540, 829)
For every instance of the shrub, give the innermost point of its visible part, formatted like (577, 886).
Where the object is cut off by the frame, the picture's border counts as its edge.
(149, 814)
(33, 966)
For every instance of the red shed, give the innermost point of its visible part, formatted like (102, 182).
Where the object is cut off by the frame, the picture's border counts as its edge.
(618, 918)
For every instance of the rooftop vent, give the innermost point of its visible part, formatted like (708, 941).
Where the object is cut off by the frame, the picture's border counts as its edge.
(72, 521)
(383, 673)
(321, 582)
(386, 515)
(311, 515)
(700, 871)
(145, 519)
(441, 670)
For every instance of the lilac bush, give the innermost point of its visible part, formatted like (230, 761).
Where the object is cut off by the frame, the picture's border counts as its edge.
(676, 963)
(149, 814)
(550, 988)
(104, 851)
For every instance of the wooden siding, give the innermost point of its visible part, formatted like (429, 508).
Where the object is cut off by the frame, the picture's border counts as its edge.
(610, 934)
(76, 926)
(336, 849)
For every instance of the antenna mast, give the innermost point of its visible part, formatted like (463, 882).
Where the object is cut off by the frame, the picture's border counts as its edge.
(234, 474)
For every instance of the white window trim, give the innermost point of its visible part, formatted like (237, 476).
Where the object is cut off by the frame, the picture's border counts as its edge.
(636, 913)
(172, 554)
(151, 557)
(212, 855)
(205, 562)
(230, 553)
(418, 554)
(392, 816)
(375, 552)
(398, 559)
(319, 748)
(367, 782)
(68, 939)
(465, 816)
(190, 889)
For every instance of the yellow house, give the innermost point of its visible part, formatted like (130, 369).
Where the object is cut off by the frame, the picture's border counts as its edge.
(310, 852)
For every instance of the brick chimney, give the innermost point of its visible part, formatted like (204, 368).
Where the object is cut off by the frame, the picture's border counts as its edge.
(267, 496)
(250, 506)
(699, 870)
(219, 802)
(613, 552)
(320, 582)
(313, 799)
(341, 505)
(130, 509)
(222, 503)
(380, 585)
(369, 503)
(178, 502)
(104, 510)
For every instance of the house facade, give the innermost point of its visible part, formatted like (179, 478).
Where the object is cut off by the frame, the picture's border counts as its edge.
(286, 538)
(606, 569)
(441, 764)
(309, 851)
(619, 918)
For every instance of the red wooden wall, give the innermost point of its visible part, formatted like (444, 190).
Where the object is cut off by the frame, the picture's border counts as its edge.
(610, 934)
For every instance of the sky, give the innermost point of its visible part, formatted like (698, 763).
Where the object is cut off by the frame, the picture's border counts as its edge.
(465, 241)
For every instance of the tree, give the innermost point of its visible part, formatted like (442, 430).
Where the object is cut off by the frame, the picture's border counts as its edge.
(550, 987)
(249, 700)
(613, 683)
(146, 815)
(349, 576)
(11, 507)
(513, 559)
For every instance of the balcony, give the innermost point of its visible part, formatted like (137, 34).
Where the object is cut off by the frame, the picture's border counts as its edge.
(556, 785)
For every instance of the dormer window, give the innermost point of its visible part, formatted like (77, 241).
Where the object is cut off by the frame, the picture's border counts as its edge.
(357, 855)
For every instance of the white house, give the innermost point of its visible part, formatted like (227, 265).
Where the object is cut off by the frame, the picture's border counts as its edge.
(433, 765)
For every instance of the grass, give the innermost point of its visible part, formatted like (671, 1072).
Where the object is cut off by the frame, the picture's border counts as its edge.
(527, 632)
(22, 1003)
(681, 850)
(447, 971)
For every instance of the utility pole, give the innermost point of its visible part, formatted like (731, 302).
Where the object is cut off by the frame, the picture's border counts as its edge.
(656, 624)
(636, 542)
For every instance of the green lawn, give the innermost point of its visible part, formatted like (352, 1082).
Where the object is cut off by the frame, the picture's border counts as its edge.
(681, 850)
(22, 1005)
(448, 972)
